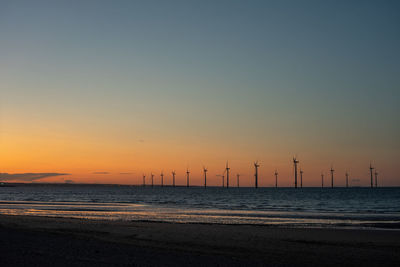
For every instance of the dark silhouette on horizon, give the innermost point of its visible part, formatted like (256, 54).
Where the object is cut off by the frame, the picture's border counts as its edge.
(256, 165)
(295, 162)
(187, 177)
(238, 176)
(373, 177)
(301, 178)
(205, 176)
(222, 179)
(370, 170)
(227, 175)
(173, 178)
(322, 180)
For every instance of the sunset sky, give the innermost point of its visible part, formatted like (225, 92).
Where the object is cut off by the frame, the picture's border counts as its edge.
(105, 91)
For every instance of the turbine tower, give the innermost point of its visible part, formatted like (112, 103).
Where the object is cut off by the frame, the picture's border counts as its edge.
(276, 178)
(162, 179)
(205, 176)
(332, 171)
(256, 165)
(187, 177)
(152, 179)
(173, 178)
(347, 179)
(370, 170)
(227, 174)
(322, 180)
(295, 162)
(238, 176)
(223, 179)
(376, 178)
(144, 180)
(301, 178)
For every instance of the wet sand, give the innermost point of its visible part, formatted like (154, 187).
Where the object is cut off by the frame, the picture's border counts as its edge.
(44, 241)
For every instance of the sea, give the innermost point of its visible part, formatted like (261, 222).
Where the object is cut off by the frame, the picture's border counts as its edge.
(356, 207)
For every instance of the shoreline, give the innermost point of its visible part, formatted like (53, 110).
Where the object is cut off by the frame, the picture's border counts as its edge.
(151, 244)
(389, 226)
(157, 213)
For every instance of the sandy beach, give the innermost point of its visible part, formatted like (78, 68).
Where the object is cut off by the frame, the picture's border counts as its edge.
(45, 241)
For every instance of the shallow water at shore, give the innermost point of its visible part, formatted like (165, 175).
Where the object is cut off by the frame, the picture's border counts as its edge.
(306, 207)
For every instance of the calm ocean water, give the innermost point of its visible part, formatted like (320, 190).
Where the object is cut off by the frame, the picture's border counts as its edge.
(306, 207)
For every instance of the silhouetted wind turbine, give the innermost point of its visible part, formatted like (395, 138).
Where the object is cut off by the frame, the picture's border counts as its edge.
(223, 178)
(332, 171)
(227, 174)
(187, 177)
(256, 165)
(322, 180)
(162, 179)
(376, 178)
(276, 178)
(144, 180)
(347, 179)
(238, 176)
(205, 176)
(371, 169)
(301, 178)
(295, 162)
(152, 179)
(173, 178)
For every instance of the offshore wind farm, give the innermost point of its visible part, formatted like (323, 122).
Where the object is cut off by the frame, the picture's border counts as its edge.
(225, 174)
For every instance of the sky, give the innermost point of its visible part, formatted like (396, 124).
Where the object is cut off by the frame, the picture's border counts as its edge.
(105, 91)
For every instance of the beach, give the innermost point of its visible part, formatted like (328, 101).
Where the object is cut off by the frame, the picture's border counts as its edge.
(47, 241)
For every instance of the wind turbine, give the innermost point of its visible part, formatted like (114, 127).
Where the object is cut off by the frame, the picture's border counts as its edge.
(238, 176)
(162, 179)
(187, 177)
(173, 178)
(144, 180)
(227, 174)
(301, 178)
(376, 178)
(205, 176)
(322, 180)
(332, 171)
(256, 165)
(276, 178)
(223, 178)
(370, 170)
(152, 179)
(347, 179)
(295, 162)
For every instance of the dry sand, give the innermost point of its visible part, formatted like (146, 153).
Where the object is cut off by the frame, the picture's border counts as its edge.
(43, 241)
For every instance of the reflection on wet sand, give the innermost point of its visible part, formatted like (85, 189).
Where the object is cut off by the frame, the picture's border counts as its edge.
(138, 212)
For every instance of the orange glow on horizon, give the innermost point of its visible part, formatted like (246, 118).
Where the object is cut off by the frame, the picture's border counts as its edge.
(82, 157)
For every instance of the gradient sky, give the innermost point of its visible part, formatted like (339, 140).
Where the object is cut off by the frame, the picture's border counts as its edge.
(99, 88)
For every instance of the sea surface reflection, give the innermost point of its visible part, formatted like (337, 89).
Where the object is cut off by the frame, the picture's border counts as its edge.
(307, 207)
